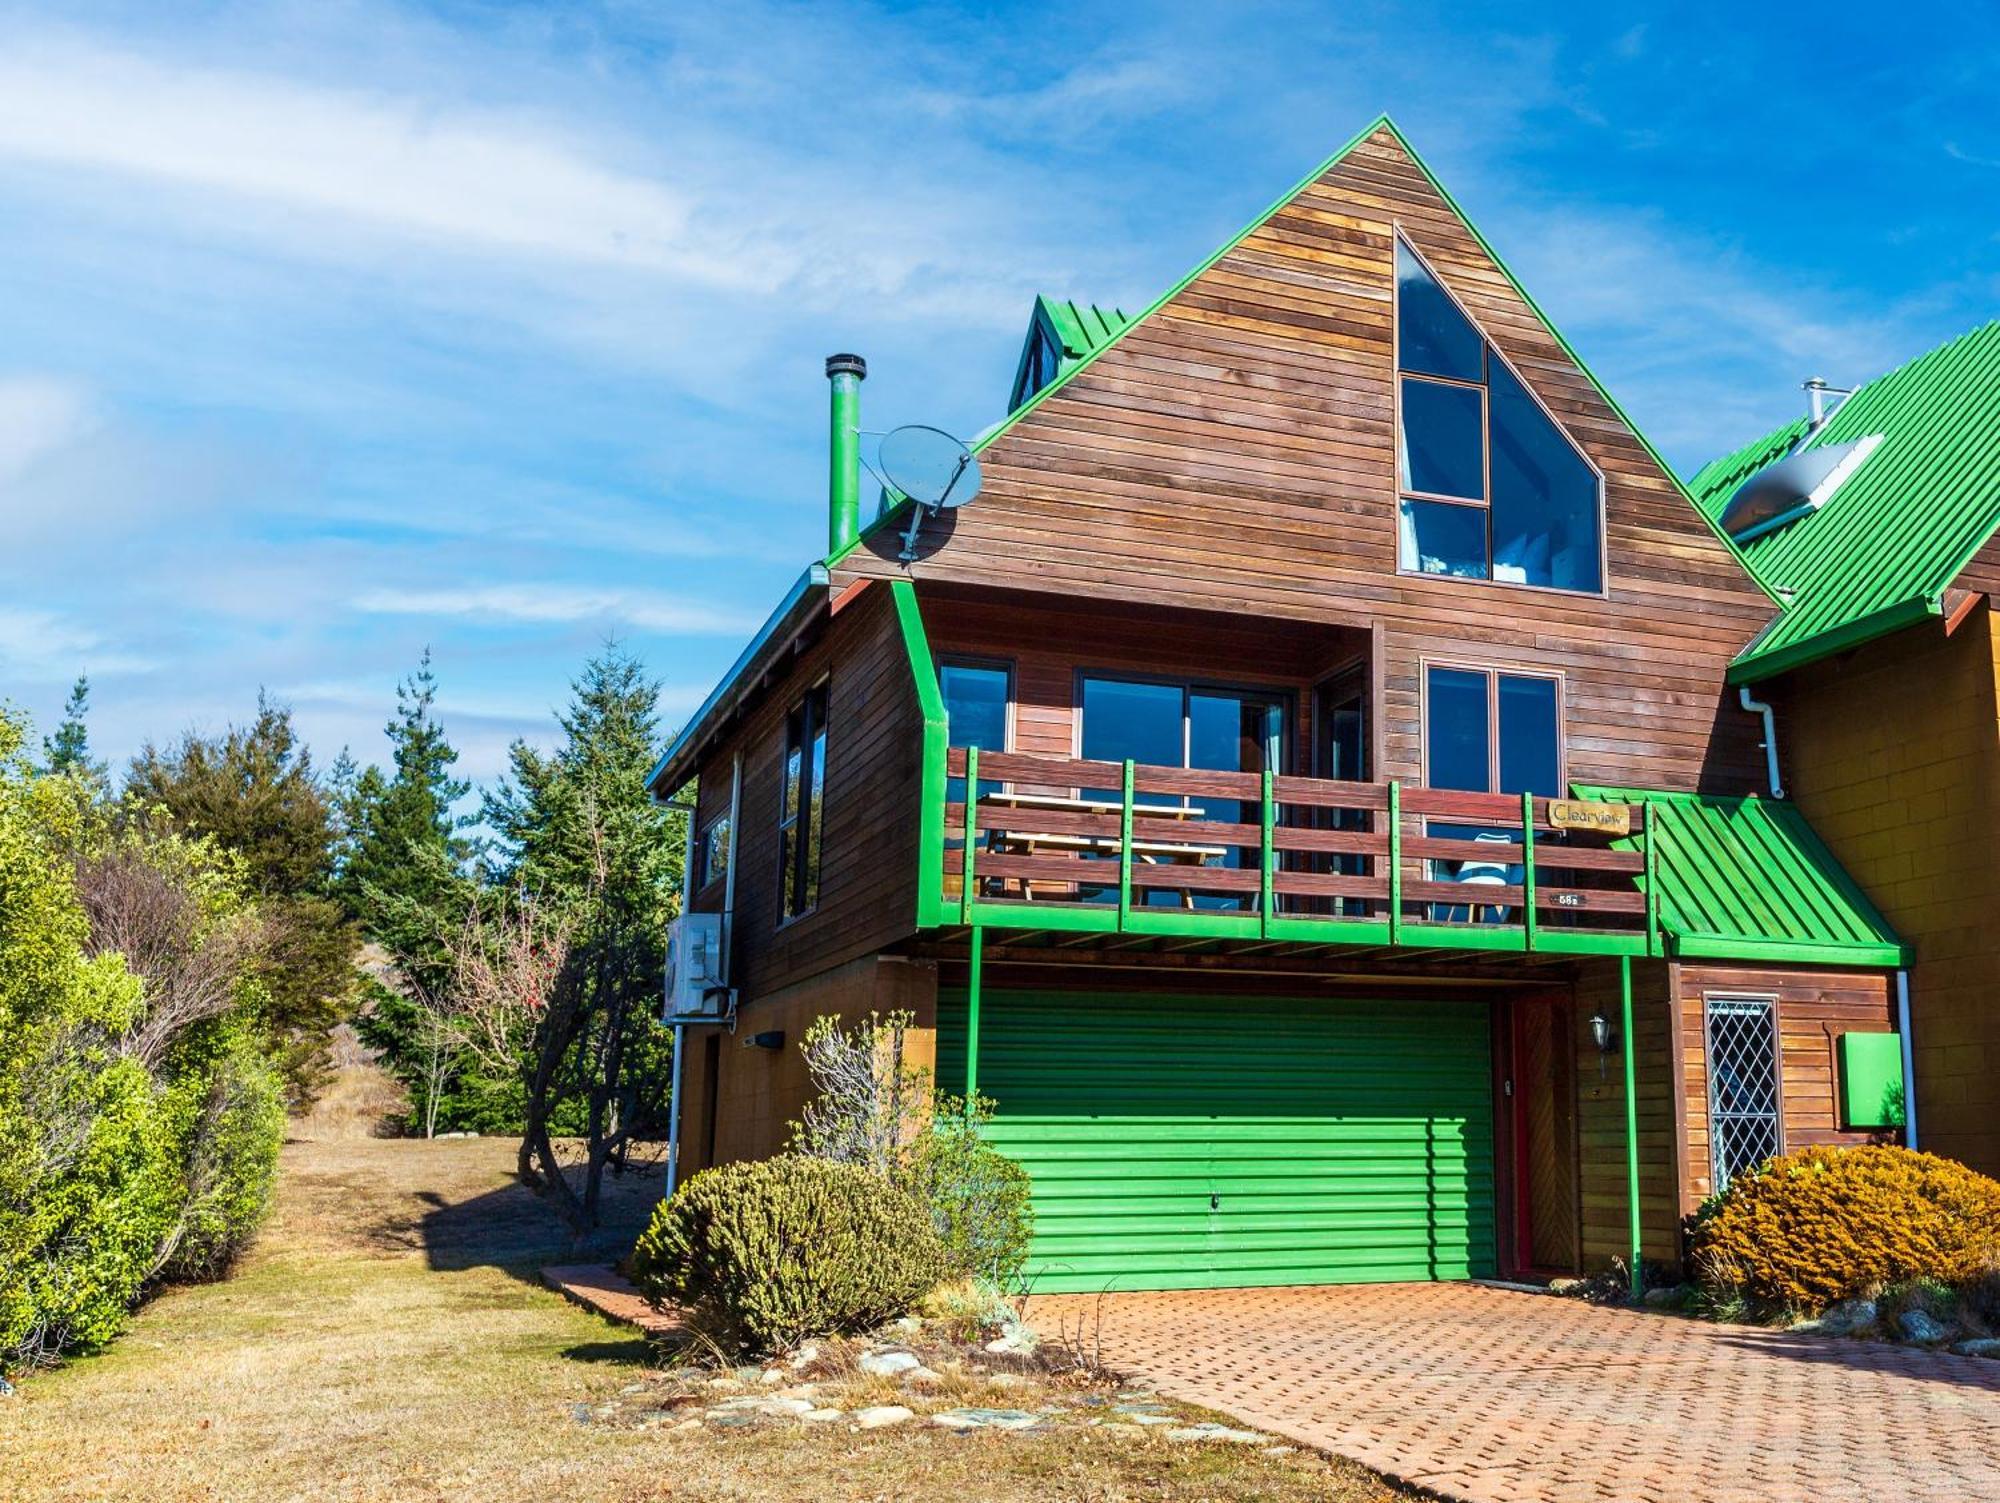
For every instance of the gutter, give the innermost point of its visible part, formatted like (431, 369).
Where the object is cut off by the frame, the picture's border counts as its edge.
(804, 598)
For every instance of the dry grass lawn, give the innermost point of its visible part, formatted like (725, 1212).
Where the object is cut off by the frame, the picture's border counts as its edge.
(385, 1340)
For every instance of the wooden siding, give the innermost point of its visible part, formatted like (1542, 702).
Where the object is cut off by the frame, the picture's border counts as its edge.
(764, 1091)
(869, 854)
(1894, 756)
(1601, 1118)
(1235, 451)
(1048, 644)
(1814, 1008)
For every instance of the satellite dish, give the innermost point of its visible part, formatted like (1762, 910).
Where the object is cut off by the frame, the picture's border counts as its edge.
(931, 468)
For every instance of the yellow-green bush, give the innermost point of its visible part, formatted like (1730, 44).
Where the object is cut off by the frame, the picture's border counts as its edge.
(1825, 1224)
(767, 1254)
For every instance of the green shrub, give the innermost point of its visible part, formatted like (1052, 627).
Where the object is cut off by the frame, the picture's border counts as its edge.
(764, 1255)
(978, 1200)
(229, 1158)
(1826, 1224)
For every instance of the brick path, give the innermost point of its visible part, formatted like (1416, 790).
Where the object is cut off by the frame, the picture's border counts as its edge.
(1492, 1396)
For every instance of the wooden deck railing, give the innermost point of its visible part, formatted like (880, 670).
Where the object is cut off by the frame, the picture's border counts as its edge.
(1066, 844)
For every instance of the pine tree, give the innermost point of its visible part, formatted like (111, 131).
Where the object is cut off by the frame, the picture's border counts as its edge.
(68, 750)
(578, 828)
(403, 840)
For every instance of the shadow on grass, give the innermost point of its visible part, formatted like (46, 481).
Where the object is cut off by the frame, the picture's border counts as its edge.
(513, 1229)
(635, 1352)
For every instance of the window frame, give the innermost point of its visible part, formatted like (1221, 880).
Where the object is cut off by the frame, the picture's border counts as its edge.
(799, 856)
(704, 844)
(1776, 1005)
(1493, 673)
(1492, 353)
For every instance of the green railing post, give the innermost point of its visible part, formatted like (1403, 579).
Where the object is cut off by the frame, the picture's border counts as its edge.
(1528, 870)
(1631, 1121)
(1395, 862)
(966, 877)
(1268, 853)
(972, 984)
(1125, 850)
(1652, 879)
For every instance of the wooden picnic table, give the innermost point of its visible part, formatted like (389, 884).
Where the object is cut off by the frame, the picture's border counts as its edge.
(1152, 852)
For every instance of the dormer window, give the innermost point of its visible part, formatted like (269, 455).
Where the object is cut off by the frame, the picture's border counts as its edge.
(1491, 487)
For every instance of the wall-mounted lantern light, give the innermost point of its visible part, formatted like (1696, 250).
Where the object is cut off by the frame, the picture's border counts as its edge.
(772, 1039)
(1602, 1033)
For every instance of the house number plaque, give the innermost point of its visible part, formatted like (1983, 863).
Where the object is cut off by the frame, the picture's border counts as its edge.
(1583, 814)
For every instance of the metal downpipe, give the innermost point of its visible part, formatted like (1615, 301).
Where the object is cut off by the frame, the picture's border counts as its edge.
(1909, 1059)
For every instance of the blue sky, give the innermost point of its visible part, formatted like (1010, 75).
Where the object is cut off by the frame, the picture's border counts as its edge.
(331, 330)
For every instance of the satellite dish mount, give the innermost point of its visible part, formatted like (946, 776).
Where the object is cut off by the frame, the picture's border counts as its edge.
(931, 469)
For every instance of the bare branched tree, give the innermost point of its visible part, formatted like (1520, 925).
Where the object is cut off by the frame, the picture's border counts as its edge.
(869, 1103)
(192, 965)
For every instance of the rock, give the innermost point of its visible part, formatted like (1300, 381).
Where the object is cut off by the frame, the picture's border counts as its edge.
(1216, 1432)
(721, 1385)
(987, 1419)
(887, 1364)
(581, 1413)
(922, 1377)
(821, 1416)
(774, 1375)
(1920, 1327)
(687, 1424)
(800, 1391)
(1014, 1337)
(1979, 1346)
(882, 1415)
(7, 1390)
(1141, 1418)
(1847, 1317)
(1009, 1380)
(1567, 1286)
(909, 1325)
(750, 1374)
(1666, 1297)
(805, 1356)
(1279, 1450)
(729, 1420)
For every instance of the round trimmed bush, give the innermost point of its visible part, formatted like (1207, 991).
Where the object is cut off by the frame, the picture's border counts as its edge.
(1822, 1225)
(767, 1254)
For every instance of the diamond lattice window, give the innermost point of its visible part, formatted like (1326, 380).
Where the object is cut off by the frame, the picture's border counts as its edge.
(1742, 1085)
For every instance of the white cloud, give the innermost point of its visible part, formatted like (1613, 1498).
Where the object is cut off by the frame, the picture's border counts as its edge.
(38, 416)
(551, 603)
(478, 178)
(41, 645)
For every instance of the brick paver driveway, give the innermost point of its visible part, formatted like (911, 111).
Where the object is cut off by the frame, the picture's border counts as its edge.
(1495, 1396)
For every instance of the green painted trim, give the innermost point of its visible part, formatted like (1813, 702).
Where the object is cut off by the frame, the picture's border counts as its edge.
(1328, 931)
(1636, 1280)
(1082, 919)
(1528, 868)
(1652, 878)
(932, 909)
(1757, 667)
(1589, 375)
(968, 880)
(1726, 947)
(1125, 849)
(1588, 942)
(974, 974)
(1193, 923)
(1395, 861)
(1267, 853)
(1507, 938)
(980, 444)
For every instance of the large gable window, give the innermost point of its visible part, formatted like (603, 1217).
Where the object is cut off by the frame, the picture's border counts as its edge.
(1491, 487)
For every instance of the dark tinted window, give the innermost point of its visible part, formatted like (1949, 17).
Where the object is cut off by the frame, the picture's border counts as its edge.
(1545, 514)
(1139, 722)
(1456, 733)
(1439, 538)
(1443, 450)
(1530, 739)
(1432, 336)
(802, 808)
(975, 710)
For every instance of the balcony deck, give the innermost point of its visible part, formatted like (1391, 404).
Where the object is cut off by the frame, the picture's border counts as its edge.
(1272, 857)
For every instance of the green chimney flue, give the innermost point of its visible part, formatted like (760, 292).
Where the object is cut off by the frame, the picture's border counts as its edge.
(843, 478)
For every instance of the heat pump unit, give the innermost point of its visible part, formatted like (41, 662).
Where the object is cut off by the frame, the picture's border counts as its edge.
(696, 989)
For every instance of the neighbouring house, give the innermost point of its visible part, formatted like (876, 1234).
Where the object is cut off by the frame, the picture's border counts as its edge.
(1301, 791)
(1877, 523)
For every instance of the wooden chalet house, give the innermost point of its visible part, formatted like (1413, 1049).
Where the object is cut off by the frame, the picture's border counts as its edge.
(1878, 524)
(1302, 792)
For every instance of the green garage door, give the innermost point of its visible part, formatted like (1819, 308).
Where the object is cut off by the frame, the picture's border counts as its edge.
(1183, 1142)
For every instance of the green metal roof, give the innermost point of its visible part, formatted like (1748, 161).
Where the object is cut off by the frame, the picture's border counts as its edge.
(1882, 550)
(1077, 330)
(1747, 879)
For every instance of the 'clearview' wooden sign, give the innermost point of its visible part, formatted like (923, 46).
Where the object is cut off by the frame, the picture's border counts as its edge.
(1583, 814)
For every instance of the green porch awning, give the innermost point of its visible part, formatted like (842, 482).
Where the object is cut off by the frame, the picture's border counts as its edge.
(1747, 879)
